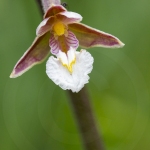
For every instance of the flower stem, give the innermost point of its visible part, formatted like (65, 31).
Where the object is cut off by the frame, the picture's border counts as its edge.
(85, 120)
(46, 3)
(40, 6)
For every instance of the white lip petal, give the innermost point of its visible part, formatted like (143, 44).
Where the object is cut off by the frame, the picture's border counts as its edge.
(63, 58)
(71, 56)
(71, 81)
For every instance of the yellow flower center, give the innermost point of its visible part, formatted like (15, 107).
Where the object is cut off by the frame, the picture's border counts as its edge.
(59, 28)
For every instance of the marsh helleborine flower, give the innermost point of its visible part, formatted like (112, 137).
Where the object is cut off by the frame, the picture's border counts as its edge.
(61, 33)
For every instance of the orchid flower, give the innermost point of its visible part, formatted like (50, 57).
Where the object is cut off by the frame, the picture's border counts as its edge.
(61, 33)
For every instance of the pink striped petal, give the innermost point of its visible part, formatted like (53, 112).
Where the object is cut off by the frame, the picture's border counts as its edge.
(54, 45)
(71, 40)
(90, 37)
(69, 17)
(34, 55)
(63, 43)
(53, 10)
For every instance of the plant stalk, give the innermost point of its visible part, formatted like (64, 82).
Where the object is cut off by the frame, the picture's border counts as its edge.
(85, 119)
(47, 3)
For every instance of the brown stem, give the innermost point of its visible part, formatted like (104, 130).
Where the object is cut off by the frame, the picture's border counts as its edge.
(85, 120)
(40, 6)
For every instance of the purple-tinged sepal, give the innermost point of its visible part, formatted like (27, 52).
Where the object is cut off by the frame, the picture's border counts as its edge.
(36, 53)
(90, 37)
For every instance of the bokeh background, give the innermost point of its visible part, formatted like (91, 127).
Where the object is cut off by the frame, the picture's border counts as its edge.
(35, 114)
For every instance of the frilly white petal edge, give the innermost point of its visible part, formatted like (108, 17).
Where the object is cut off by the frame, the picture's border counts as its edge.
(62, 77)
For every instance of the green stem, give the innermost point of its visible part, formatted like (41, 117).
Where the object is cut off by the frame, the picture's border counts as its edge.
(85, 120)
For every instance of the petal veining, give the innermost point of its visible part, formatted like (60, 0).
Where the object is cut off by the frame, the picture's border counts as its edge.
(54, 45)
(71, 40)
(63, 43)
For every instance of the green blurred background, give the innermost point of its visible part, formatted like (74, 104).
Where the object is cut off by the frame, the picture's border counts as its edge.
(35, 114)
